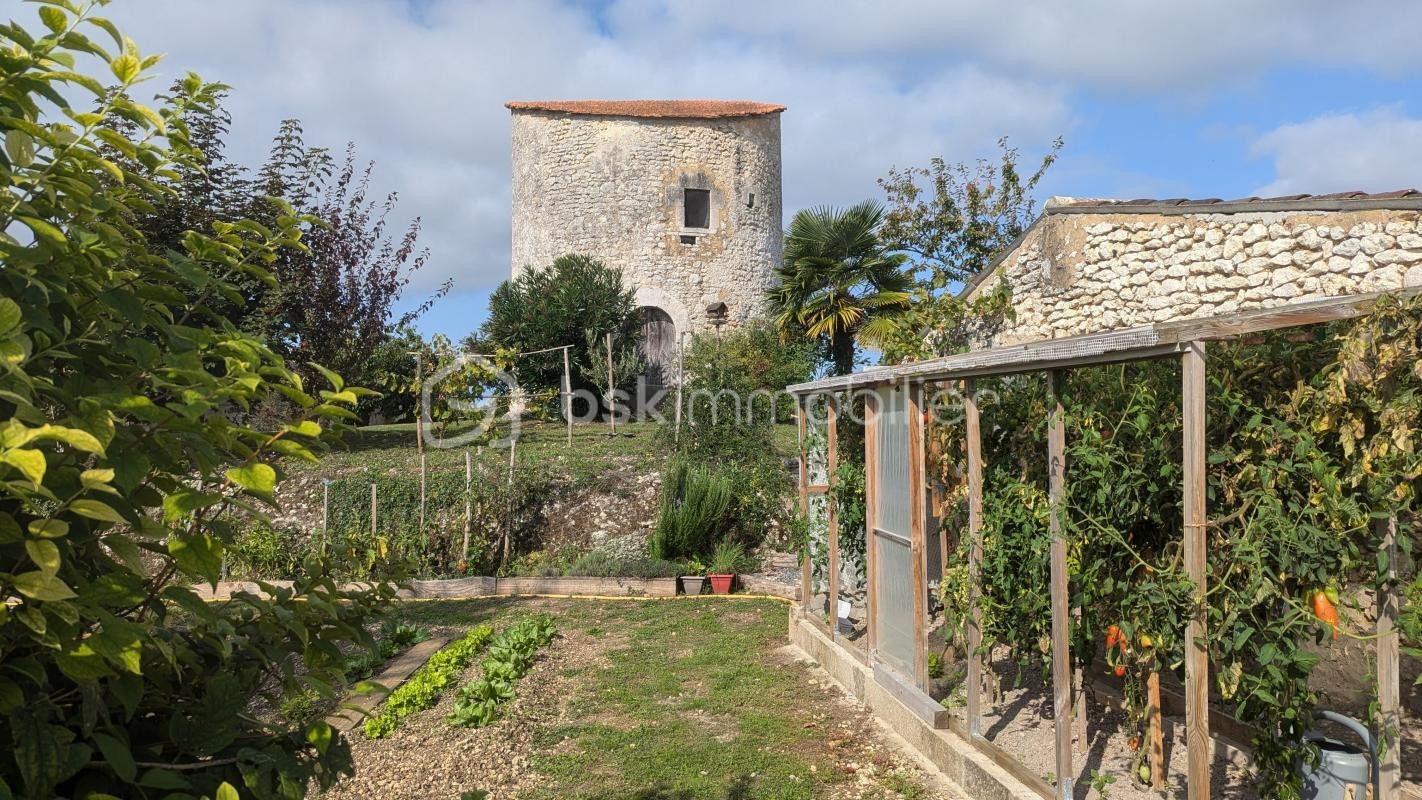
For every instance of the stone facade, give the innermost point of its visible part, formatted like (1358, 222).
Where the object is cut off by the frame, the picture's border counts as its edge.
(1088, 266)
(610, 180)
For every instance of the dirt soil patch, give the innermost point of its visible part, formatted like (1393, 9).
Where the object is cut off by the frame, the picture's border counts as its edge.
(683, 699)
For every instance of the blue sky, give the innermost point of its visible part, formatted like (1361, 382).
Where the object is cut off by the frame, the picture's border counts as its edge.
(1213, 98)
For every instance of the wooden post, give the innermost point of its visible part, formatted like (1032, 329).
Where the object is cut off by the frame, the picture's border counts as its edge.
(802, 428)
(1197, 660)
(680, 379)
(1155, 734)
(468, 504)
(325, 514)
(1389, 670)
(832, 463)
(611, 389)
(374, 530)
(973, 432)
(422, 496)
(871, 519)
(567, 396)
(1061, 611)
(918, 534)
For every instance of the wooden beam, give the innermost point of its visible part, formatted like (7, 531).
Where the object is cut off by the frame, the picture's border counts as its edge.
(1129, 344)
(918, 533)
(1155, 732)
(1061, 611)
(1197, 660)
(871, 519)
(832, 463)
(973, 431)
(1389, 669)
(805, 569)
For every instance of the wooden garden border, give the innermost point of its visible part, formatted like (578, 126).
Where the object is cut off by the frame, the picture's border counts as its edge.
(1185, 340)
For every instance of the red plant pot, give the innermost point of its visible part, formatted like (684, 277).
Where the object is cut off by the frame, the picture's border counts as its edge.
(721, 584)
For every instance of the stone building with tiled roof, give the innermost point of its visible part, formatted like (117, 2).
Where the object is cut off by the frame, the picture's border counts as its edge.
(682, 195)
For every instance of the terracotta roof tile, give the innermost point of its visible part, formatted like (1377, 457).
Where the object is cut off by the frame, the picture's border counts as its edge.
(656, 109)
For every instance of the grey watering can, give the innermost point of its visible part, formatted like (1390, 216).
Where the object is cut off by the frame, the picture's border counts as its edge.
(1344, 771)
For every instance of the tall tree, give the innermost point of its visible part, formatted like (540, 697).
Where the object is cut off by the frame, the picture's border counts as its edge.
(952, 220)
(577, 301)
(839, 280)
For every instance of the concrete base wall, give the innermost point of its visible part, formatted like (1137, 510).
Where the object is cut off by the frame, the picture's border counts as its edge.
(952, 754)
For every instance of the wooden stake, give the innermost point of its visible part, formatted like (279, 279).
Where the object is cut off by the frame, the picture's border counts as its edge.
(325, 514)
(1155, 735)
(567, 396)
(422, 498)
(1061, 611)
(680, 379)
(374, 530)
(973, 432)
(468, 504)
(1389, 670)
(918, 534)
(611, 397)
(832, 462)
(1197, 661)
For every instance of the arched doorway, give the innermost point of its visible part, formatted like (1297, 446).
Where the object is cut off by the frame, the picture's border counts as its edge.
(658, 345)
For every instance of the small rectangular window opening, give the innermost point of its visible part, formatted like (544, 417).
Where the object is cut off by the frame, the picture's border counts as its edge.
(688, 239)
(696, 208)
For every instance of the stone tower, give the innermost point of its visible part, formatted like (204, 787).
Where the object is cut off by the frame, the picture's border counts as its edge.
(682, 195)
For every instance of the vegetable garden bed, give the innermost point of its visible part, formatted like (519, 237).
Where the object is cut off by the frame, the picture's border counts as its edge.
(686, 699)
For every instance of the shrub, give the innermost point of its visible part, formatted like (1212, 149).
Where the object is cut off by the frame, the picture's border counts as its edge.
(128, 458)
(734, 390)
(423, 688)
(575, 301)
(694, 503)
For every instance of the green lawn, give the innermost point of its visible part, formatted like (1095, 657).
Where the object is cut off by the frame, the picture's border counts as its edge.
(679, 699)
(637, 447)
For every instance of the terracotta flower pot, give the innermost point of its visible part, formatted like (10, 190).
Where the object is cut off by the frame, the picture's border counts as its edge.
(692, 584)
(721, 584)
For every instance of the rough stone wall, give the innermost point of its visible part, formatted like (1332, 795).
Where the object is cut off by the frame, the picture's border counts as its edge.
(612, 188)
(1077, 273)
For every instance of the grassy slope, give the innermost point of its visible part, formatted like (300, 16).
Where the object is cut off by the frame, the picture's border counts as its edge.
(692, 701)
(389, 449)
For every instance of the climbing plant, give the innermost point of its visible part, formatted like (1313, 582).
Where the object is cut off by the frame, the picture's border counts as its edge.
(1313, 439)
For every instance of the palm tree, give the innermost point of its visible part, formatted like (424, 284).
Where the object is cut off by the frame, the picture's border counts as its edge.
(838, 280)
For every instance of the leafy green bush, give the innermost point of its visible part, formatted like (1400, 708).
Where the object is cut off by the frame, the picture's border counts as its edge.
(576, 301)
(511, 655)
(423, 688)
(401, 546)
(693, 511)
(265, 552)
(130, 454)
(734, 398)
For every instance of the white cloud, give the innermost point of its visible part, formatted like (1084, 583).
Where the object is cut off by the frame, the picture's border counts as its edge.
(1140, 45)
(1374, 151)
(423, 95)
